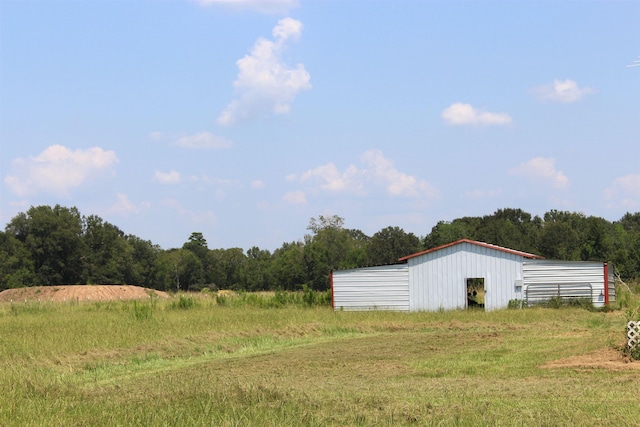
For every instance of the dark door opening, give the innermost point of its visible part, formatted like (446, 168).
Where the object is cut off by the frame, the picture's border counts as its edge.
(475, 293)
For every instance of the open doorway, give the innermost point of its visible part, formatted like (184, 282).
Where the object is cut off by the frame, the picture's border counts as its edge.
(475, 293)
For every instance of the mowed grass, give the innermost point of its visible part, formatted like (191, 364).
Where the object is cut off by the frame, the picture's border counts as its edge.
(152, 363)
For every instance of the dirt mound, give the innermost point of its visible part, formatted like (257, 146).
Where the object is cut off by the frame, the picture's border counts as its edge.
(79, 293)
(604, 359)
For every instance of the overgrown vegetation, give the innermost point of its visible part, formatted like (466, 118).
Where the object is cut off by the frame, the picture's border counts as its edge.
(248, 364)
(628, 302)
(278, 299)
(48, 246)
(143, 310)
(559, 302)
(184, 302)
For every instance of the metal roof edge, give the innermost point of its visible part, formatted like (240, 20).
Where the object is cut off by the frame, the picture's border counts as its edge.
(473, 242)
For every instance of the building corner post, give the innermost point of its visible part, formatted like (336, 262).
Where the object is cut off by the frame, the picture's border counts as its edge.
(606, 284)
(333, 302)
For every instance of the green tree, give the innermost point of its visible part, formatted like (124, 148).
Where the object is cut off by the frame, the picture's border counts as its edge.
(326, 250)
(288, 268)
(357, 250)
(106, 252)
(179, 270)
(446, 232)
(256, 275)
(389, 244)
(142, 267)
(16, 266)
(53, 237)
(559, 241)
(627, 245)
(598, 240)
(510, 228)
(227, 267)
(197, 244)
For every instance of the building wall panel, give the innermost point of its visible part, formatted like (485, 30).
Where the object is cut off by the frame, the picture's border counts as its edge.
(382, 288)
(438, 280)
(544, 279)
(612, 286)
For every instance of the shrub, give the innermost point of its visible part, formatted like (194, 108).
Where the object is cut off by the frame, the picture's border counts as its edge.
(516, 304)
(144, 311)
(307, 298)
(184, 302)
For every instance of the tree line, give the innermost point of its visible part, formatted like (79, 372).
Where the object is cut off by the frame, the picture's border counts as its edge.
(57, 245)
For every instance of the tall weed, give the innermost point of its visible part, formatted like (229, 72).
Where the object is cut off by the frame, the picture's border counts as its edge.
(184, 302)
(143, 310)
(279, 299)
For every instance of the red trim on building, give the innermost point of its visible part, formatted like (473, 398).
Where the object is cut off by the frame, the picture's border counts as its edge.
(333, 302)
(473, 242)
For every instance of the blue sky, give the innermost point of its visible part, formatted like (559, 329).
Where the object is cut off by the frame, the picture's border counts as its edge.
(242, 119)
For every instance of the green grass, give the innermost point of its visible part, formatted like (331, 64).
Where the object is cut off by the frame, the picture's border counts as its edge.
(195, 363)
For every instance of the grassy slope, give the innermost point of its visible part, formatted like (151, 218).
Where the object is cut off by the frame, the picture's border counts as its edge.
(108, 364)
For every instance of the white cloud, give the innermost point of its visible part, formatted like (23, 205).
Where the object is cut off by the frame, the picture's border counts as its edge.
(257, 184)
(172, 177)
(624, 192)
(262, 6)
(396, 182)
(265, 84)
(123, 206)
(295, 198)
(540, 168)
(58, 170)
(331, 179)
(565, 91)
(378, 172)
(203, 140)
(156, 135)
(465, 114)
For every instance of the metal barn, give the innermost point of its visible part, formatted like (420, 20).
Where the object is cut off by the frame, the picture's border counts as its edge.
(467, 273)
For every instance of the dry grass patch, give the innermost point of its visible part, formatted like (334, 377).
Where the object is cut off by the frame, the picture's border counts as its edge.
(606, 358)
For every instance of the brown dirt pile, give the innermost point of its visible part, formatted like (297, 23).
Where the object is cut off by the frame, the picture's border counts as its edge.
(79, 293)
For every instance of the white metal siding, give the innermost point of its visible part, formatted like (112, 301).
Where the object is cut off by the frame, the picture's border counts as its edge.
(612, 286)
(437, 280)
(544, 279)
(382, 288)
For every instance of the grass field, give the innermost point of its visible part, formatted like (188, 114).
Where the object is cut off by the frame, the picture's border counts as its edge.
(167, 364)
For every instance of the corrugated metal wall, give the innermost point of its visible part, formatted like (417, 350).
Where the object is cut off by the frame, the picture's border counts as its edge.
(437, 280)
(544, 279)
(612, 286)
(381, 288)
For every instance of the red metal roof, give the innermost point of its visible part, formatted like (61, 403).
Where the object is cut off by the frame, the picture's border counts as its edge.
(473, 242)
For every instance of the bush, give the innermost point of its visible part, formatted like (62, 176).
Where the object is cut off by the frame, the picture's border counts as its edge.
(516, 304)
(307, 298)
(184, 303)
(144, 311)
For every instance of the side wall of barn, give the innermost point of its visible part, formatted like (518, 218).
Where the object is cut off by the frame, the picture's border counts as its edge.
(544, 279)
(381, 288)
